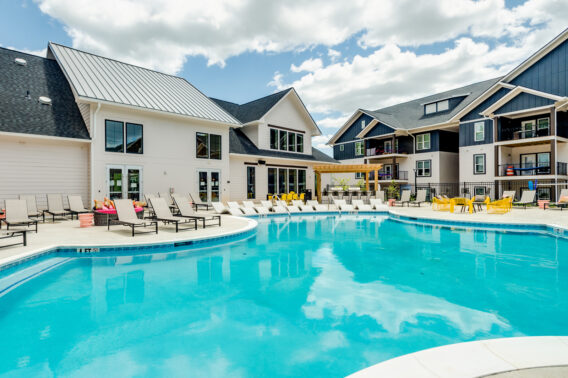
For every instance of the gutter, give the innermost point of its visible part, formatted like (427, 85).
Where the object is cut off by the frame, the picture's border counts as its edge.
(93, 138)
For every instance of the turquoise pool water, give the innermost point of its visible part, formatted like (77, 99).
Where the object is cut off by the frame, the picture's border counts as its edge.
(313, 296)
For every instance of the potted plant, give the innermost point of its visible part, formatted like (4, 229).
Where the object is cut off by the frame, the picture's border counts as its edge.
(392, 193)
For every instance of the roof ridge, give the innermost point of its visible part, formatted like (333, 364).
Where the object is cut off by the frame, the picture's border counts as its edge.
(25, 53)
(434, 94)
(116, 60)
(265, 97)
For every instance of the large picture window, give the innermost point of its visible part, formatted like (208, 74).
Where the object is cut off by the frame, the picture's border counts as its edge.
(208, 146)
(423, 142)
(479, 164)
(286, 140)
(134, 143)
(251, 183)
(479, 131)
(286, 180)
(423, 168)
(114, 136)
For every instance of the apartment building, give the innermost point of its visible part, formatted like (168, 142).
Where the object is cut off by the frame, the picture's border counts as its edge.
(508, 133)
(408, 140)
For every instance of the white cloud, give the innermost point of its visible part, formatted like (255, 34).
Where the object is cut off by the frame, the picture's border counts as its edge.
(161, 34)
(309, 65)
(41, 52)
(333, 54)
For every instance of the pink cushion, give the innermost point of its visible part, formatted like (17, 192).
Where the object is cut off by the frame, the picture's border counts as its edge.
(113, 211)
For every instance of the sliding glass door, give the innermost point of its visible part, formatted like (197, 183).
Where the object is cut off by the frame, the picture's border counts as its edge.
(209, 185)
(124, 182)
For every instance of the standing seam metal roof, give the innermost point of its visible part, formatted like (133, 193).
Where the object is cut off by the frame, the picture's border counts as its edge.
(100, 78)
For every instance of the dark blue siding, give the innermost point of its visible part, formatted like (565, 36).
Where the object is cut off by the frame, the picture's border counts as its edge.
(347, 153)
(353, 130)
(474, 114)
(524, 101)
(379, 129)
(467, 133)
(549, 74)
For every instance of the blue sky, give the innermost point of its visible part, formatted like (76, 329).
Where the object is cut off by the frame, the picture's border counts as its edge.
(339, 56)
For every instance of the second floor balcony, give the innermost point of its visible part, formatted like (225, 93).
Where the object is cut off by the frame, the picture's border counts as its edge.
(515, 129)
(516, 170)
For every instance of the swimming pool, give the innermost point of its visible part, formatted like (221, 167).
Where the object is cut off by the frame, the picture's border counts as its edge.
(317, 296)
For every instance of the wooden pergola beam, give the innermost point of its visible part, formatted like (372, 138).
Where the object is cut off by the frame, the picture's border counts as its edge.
(345, 168)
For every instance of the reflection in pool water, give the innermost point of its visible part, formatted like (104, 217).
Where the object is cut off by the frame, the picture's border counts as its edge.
(318, 296)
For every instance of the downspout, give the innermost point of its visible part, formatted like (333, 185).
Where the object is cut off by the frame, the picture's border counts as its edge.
(93, 138)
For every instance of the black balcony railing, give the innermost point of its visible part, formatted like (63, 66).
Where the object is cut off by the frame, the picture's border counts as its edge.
(515, 134)
(384, 151)
(401, 175)
(531, 169)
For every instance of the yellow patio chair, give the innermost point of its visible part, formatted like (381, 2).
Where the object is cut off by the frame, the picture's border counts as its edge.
(501, 206)
(440, 204)
(302, 197)
(283, 197)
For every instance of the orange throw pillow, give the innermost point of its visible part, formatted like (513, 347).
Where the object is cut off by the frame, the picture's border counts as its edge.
(563, 199)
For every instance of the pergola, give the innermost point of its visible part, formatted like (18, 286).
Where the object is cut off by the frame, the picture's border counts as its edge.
(345, 168)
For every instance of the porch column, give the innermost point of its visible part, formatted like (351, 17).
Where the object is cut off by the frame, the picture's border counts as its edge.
(394, 168)
(553, 121)
(496, 158)
(495, 129)
(376, 182)
(318, 186)
(367, 181)
(552, 157)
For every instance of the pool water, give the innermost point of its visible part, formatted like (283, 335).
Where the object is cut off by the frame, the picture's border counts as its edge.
(304, 296)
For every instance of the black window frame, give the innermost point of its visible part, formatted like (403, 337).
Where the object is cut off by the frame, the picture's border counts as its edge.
(475, 164)
(274, 184)
(250, 184)
(418, 170)
(208, 146)
(291, 141)
(106, 136)
(299, 136)
(274, 144)
(141, 138)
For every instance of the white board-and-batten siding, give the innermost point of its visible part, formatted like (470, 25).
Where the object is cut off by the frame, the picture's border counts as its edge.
(40, 166)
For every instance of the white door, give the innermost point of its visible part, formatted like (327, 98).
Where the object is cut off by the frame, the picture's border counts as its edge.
(209, 185)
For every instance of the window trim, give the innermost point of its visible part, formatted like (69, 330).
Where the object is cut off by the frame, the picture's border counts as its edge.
(421, 136)
(482, 123)
(429, 168)
(475, 164)
(341, 147)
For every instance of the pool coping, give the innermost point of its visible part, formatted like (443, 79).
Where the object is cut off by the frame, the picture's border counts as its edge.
(89, 249)
(479, 358)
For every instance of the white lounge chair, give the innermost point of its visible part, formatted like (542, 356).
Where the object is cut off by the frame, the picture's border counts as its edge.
(378, 204)
(380, 195)
(186, 210)
(261, 210)
(297, 203)
(233, 204)
(359, 205)
(31, 201)
(281, 203)
(527, 198)
(306, 208)
(127, 217)
(167, 197)
(292, 209)
(266, 204)
(220, 208)
(317, 206)
(279, 209)
(404, 198)
(248, 210)
(163, 214)
(235, 211)
(17, 214)
(55, 206)
(76, 206)
(420, 198)
(248, 204)
(342, 205)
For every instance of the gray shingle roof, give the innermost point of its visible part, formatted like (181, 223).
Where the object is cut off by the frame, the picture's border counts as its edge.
(41, 77)
(410, 115)
(98, 78)
(239, 143)
(254, 110)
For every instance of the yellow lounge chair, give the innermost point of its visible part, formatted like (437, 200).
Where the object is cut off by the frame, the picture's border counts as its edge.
(501, 206)
(440, 204)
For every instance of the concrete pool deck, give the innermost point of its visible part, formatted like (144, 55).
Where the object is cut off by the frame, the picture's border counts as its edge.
(69, 234)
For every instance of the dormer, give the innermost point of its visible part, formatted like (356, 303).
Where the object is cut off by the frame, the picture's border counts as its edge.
(443, 105)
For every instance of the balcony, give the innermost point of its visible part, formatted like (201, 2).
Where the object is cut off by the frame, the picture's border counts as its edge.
(388, 152)
(518, 134)
(389, 176)
(519, 170)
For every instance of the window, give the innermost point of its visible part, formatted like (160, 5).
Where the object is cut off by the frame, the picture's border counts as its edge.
(251, 182)
(359, 175)
(435, 107)
(527, 129)
(291, 142)
(273, 139)
(543, 161)
(478, 190)
(423, 142)
(363, 124)
(283, 140)
(423, 168)
(208, 146)
(282, 180)
(301, 180)
(388, 147)
(443, 105)
(430, 108)
(299, 143)
(543, 125)
(292, 181)
(341, 147)
(479, 131)
(543, 193)
(479, 164)
(271, 180)
(114, 136)
(359, 148)
(133, 138)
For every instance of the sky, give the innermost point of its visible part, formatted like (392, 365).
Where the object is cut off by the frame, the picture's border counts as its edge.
(338, 55)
